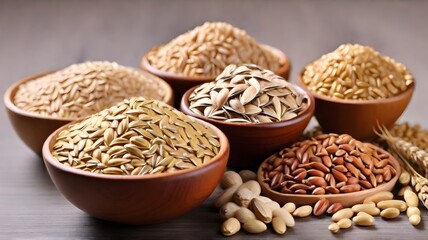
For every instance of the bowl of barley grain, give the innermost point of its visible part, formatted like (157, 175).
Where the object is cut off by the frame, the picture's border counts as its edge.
(259, 111)
(336, 167)
(40, 104)
(138, 162)
(199, 55)
(356, 88)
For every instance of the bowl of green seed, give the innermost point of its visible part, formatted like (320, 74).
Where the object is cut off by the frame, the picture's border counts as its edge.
(356, 89)
(40, 104)
(138, 162)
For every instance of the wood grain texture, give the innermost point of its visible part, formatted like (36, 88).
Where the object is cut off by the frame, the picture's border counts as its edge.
(43, 35)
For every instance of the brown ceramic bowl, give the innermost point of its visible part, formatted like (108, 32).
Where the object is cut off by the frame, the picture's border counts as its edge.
(181, 84)
(358, 118)
(137, 200)
(33, 128)
(346, 199)
(251, 142)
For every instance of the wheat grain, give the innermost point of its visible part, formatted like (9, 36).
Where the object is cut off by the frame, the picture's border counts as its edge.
(86, 88)
(209, 48)
(356, 72)
(131, 138)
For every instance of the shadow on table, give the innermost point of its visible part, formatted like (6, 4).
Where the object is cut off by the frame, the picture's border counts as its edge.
(200, 223)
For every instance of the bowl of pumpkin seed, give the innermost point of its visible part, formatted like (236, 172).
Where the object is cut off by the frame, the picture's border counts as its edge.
(356, 89)
(199, 55)
(138, 162)
(40, 104)
(259, 111)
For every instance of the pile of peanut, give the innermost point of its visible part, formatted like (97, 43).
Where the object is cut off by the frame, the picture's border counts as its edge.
(242, 206)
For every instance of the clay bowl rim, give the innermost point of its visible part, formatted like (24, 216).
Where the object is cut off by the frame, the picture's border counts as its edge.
(409, 91)
(145, 64)
(393, 181)
(11, 91)
(49, 159)
(307, 112)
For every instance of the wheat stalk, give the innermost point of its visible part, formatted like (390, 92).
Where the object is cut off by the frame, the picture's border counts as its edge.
(410, 157)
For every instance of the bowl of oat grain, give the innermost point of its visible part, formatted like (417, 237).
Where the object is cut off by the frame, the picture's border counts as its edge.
(138, 162)
(199, 55)
(40, 104)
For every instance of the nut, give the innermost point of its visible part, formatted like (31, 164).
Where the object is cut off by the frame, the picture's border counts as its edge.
(401, 205)
(228, 210)
(404, 178)
(334, 227)
(411, 198)
(413, 211)
(367, 208)
(285, 216)
(363, 220)
(264, 199)
(229, 179)
(272, 205)
(290, 207)
(225, 196)
(403, 189)
(343, 213)
(247, 175)
(381, 196)
(334, 208)
(327, 164)
(253, 186)
(244, 214)
(262, 212)
(230, 227)
(254, 226)
(415, 219)
(320, 207)
(279, 225)
(344, 223)
(303, 211)
(243, 197)
(390, 213)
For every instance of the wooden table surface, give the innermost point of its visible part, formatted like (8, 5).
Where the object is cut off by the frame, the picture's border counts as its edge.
(44, 35)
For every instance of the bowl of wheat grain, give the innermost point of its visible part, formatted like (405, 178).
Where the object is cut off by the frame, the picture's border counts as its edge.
(40, 104)
(258, 111)
(355, 89)
(138, 162)
(199, 55)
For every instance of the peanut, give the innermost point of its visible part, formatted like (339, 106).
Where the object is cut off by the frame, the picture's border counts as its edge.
(345, 223)
(230, 227)
(411, 198)
(401, 205)
(254, 226)
(367, 208)
(285, 216)
(279, 225)
(290, 206)
(303, 211)
(390, 213)
(228, 210)
(343, 213)
(381, 196)
(229, 179)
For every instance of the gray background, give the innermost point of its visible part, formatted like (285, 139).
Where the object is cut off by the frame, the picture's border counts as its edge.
(36, 36)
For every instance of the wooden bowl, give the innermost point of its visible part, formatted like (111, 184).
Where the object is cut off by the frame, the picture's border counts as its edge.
(346, 199)
(252, 142)
(136, 200)
(358, 117)
(181, 84)
(33, 129)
